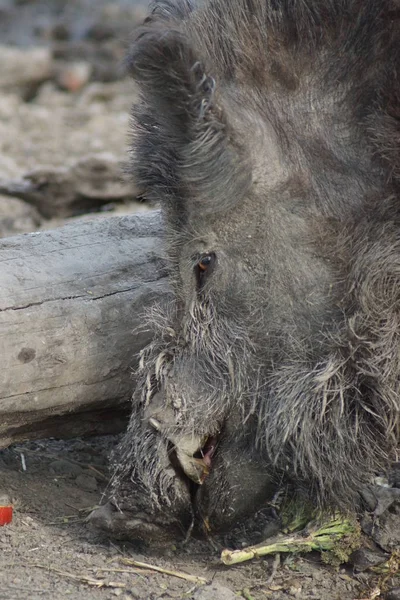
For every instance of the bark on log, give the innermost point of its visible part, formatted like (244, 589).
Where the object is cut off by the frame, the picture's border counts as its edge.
(70, 300)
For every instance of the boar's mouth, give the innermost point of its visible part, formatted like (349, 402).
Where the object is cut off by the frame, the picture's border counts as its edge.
(190, 455)
(198, 466)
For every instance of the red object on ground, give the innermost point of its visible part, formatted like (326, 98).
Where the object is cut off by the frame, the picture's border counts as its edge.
(6, 514)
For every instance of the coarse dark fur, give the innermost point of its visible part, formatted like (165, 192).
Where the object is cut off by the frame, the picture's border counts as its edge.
(269, 131)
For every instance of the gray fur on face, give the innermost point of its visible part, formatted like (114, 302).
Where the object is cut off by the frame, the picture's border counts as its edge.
(269, 132)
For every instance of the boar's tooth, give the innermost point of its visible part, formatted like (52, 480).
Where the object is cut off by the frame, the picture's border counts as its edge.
(155, 424)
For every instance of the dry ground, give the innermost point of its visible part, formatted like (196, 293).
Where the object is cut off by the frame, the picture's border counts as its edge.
(49, 552)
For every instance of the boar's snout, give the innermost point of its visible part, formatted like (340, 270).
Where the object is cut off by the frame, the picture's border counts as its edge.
(226, 481)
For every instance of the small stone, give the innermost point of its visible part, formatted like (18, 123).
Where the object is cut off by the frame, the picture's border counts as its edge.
(393, 594)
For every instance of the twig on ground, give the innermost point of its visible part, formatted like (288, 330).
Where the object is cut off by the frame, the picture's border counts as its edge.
(99, 583)
(275, 566)
(116, 570)
(72, 506)
(179, 574)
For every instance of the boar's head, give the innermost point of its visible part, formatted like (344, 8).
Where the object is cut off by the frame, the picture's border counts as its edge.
(267, 133)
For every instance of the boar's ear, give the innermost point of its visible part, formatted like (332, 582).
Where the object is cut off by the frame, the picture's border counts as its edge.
(183, 146)
(168, 10)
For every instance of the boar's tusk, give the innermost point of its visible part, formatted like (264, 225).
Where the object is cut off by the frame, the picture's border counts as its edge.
(155, 424)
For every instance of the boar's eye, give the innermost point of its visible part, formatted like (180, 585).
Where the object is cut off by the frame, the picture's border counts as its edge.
(204, 266)
(205, 262)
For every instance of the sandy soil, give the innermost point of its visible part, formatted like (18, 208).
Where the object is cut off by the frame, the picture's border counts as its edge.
(49, 551)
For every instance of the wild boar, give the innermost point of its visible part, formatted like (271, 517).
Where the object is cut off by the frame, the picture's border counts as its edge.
(269, 132)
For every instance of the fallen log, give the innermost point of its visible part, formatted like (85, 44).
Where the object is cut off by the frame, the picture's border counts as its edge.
(70, 300)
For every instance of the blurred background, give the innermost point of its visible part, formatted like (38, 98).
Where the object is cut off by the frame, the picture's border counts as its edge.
(64, 111)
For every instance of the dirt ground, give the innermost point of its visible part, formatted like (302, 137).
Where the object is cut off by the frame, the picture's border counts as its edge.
(50, 552)
(64, 99)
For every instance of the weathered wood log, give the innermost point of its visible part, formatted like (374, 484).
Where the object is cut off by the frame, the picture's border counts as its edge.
(70, 300)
